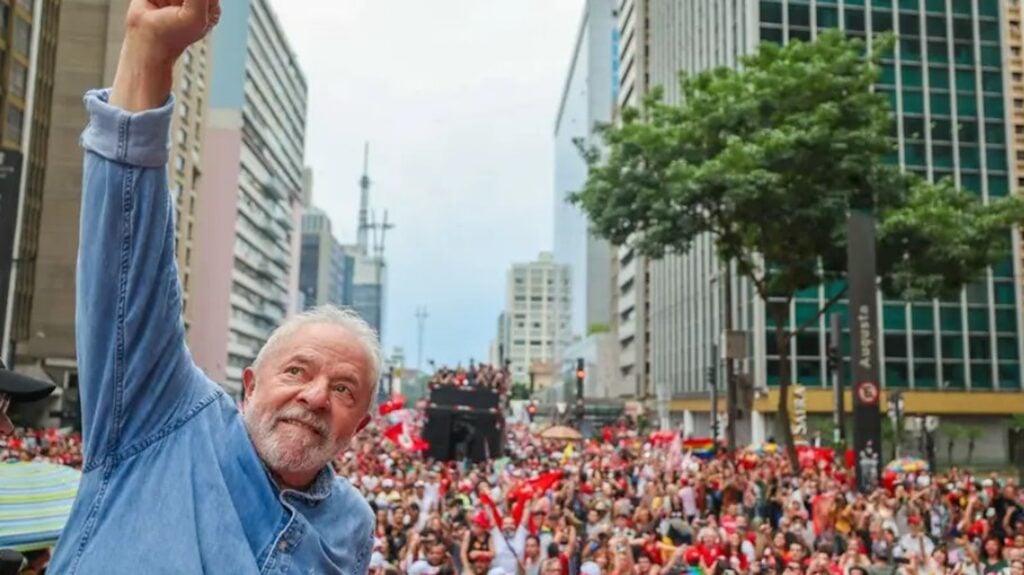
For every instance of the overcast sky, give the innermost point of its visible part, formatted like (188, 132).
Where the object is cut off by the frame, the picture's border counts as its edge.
(458, 100)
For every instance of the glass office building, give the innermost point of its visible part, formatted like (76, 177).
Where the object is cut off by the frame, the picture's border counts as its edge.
(947, 80)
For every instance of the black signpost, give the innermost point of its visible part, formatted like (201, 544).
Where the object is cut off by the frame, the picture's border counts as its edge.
(863, 321)
(10, 188)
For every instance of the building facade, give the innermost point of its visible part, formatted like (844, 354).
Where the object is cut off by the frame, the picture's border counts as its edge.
(27, 93)
(250, 202)
(630, 270)
(86, 37)
(588, 99)
(536, 327)
(325, 275)
(950, 83)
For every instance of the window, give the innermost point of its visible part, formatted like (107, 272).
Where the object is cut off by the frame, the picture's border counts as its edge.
(182, 137)
(22, 36)
(771, 12)
(19, 78)
(855, 20)
(924, 346)
(910, 26)
(937, 53)
(179, 164)
(183, 110)
(15, 119)
(923, 318)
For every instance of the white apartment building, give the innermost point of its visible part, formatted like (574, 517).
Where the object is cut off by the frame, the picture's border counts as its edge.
(250, 204)
(632, 271)
(538, 313)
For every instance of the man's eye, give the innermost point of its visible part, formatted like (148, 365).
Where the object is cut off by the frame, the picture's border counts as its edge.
(294, 370)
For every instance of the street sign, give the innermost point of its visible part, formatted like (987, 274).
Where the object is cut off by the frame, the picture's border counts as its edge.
(862, 277)
(735, 344)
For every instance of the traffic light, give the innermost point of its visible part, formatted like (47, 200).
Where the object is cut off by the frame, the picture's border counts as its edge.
(580, 374)
(531, 411)
(833, 358)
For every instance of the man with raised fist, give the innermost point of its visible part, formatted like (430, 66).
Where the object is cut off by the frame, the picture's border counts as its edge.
(177, 479)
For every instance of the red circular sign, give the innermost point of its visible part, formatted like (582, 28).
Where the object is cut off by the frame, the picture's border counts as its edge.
(867, 392)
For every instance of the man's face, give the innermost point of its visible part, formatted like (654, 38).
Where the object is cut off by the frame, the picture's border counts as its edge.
(435, 554)
(307, 399)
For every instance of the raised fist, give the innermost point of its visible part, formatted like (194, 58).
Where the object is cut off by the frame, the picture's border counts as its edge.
(168, 27)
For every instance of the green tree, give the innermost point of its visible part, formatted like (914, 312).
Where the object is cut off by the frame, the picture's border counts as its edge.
(768, 159)
(953, 433)
(519, 391)
(973, 434)
(1017, 421)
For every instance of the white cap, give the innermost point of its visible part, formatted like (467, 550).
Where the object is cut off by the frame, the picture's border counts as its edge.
(590, 568)
(388, 484)
(497, 571)
(377, 561)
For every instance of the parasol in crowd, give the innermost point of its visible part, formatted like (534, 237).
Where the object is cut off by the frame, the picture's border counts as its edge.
(35, 501)
(907, 465)
(561, 433)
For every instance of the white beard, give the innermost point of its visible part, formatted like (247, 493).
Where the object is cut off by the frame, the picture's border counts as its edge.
(284, 448)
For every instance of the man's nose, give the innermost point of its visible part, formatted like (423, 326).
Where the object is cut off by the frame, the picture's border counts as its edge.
(316, 395)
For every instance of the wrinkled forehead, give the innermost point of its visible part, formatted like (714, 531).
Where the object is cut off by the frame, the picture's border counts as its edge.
(329, 345)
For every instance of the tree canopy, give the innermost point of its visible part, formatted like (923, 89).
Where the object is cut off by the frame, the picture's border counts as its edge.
(769, 158)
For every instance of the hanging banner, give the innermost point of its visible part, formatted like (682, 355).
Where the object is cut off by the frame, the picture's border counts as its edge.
(798, 413)
(863, 322)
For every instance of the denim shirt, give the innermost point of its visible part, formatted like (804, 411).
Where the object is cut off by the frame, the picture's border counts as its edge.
(172, 482)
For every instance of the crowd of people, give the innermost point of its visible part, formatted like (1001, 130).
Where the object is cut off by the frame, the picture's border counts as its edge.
(624, 505)
(49, 445)
(629, 504)
(476, 375)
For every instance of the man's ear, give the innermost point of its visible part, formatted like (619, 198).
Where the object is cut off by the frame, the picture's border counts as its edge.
(248, 382)
(366, 421)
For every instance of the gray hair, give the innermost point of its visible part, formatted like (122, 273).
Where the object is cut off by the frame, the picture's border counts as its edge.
(331, 315)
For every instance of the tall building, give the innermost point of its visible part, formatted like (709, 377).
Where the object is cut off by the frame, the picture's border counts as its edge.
(631, 271)
(588, 99)
(325, 275)
(369, 275)
(250, 202)
(951, 92)
(1015, 61)
(88, 42)
(27, 93)
(535, 327)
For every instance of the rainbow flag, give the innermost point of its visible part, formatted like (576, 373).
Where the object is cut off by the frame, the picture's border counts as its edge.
(703, 447)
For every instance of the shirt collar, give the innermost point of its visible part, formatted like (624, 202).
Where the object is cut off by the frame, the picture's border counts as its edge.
(319, 490)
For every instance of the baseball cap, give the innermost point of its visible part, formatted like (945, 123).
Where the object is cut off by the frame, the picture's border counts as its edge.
(21, 388)
(377, 560)
(590, 568)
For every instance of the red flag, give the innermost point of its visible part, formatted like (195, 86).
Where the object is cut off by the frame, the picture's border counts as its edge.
(394, 404)
(533, 487)
(486, 500)
(402, 437)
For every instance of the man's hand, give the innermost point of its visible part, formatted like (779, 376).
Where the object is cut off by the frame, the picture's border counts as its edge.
(156, 34)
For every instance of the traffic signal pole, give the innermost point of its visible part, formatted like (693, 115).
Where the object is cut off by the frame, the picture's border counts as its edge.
(580, 375)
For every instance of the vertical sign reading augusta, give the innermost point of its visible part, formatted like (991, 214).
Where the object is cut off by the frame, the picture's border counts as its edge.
(10, 184)
(867, 420)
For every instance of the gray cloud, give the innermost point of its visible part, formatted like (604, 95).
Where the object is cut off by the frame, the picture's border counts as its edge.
(458, 100)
